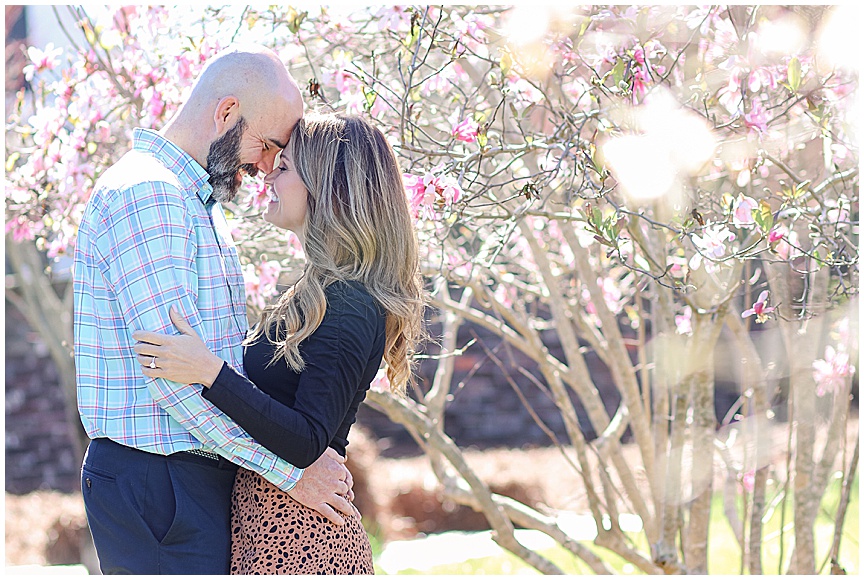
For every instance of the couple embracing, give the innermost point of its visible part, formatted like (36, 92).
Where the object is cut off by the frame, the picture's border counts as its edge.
(217, 448)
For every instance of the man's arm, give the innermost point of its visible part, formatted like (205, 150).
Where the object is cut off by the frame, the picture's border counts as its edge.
(149, 251)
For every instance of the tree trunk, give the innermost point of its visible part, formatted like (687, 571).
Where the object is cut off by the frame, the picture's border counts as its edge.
(802, 338)
(406, 412)
(753, 380)
(706, 331)
(848, 477)
(806, 502)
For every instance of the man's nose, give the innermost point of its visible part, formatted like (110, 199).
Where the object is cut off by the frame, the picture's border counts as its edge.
(267, 162)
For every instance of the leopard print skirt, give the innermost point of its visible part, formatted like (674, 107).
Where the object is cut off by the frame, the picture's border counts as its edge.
(273, 534)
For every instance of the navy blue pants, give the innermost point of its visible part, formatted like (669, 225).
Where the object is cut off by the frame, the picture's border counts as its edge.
(157, 514)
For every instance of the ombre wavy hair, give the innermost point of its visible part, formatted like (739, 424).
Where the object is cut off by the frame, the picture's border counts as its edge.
(358, 227)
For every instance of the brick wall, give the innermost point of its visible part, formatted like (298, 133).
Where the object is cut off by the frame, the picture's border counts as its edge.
(485, 412)
(39, 452)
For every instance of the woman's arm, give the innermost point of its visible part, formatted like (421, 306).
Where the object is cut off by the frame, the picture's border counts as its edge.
(337, 356)
(182, 358)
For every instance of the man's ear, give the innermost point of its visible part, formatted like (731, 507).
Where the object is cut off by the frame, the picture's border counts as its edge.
(227, 113)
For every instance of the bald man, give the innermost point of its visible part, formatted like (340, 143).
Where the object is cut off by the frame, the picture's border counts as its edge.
(159, 470)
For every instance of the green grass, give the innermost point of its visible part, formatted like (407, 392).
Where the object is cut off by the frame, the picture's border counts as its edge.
(724, 554)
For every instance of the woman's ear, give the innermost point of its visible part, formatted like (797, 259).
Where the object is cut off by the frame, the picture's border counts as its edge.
(227, 113)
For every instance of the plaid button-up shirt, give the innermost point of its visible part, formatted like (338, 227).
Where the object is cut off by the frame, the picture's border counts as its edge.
(151, 237)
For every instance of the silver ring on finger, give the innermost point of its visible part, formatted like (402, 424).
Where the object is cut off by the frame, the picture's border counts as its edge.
(152, 364)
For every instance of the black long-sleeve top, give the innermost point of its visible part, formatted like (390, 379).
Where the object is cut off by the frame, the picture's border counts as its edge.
(298, 415)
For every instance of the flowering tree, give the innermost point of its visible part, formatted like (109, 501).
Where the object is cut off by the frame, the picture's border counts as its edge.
(640, 182)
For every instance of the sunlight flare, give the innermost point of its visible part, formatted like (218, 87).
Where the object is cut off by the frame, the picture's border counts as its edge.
(673, 143)
(838, 38)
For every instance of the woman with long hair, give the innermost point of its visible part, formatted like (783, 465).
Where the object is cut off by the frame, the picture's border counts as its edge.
(313, 354)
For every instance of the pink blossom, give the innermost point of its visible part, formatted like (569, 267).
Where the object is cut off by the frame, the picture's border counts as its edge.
(640, 87)
(36, 163)
(445, 186)
(837, 214)
(742, 211)
(612, 294)
(253, 285)
(748, 480)
(676, 265)
(261, 281)
(787, 247)
(505, 294)
(41, 60)
(432, 189)
(466, 131)
(295, 248)
(777, 233)
(355, 103)
(270, 274)
(443, 81)
(57, 247)
(757, 117)
(78, 141)
(46, 123)
(184, 67)
(123, 17)
(761, 78)
(419, 195)
(21, 228)
(684, 321)
(461, 266)
(706, 17)
(523, 91)
(259, 197)
(564, 50)
(578, 90)
(589, 305)
(845, 336)
(102, 132)
(730, 95)
(338, 76)
(395, 18)
(472, 24)
(830, 373)
(380, 383)
(760, 308)
(712, 243)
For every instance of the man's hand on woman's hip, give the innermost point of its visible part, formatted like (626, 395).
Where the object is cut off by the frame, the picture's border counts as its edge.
(326, 487)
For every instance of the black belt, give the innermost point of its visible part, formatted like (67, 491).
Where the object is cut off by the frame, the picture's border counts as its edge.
(203, 458)
(203, 453)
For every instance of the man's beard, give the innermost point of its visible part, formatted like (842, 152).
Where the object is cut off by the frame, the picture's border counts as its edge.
(223, 163)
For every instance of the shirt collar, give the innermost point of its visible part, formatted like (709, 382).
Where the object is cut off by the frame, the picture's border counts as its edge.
(192, 176)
